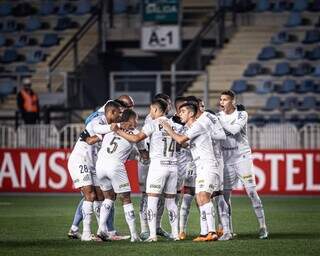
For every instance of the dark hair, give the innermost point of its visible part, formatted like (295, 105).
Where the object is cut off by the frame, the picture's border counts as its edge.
(162, 96)
(192, 99)
(190, 105)
(179, 99)
(161, 104)
(122, 103)
(128, 114)
(111, 104)
(229, 93)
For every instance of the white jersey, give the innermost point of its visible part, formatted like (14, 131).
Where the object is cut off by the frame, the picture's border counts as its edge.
(212, 124)
(200, 142)
(115, 148)
(162, 146)
(236, 145)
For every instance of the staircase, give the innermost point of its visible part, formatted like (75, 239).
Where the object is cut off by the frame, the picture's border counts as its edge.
(230, 62)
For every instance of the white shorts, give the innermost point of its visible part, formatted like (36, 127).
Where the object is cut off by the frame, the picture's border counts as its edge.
(162, 177)
(242, 171)
(142, 175)
(81, 171)
(208, 178)
(112, 175)
(182, 170)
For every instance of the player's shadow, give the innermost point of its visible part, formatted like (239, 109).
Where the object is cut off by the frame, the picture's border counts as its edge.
(291, 236)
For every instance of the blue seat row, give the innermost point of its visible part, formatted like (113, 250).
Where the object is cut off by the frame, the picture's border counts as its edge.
(281, 5)
(311, 36)
(291, 103)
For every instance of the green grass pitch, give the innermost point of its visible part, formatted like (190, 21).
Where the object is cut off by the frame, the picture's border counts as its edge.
(37, 225)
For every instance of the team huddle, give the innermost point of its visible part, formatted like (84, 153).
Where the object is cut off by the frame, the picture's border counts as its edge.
(194, 154)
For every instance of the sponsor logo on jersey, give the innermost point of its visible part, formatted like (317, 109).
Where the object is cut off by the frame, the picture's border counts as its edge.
(155, 186)
(124, 185)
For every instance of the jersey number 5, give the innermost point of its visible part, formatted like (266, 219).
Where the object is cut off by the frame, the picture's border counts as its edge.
(113, 145)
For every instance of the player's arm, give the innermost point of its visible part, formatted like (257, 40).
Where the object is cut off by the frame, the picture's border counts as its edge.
(85, 136)
(130, 137)
(92, 140)
(218, 132)
(237, 125)
(181, 139)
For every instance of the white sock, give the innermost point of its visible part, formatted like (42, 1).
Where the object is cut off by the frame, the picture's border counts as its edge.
(130, 218)
(257, 206)
(184, 211)
(208, 208)
(203, 221)
(74, 228)
(143, 213)
(173, 215)
(223, 213)
(87, 211)
(152, 214)
(96, 209)
(105, 209)
(160, 210)
(227, 198)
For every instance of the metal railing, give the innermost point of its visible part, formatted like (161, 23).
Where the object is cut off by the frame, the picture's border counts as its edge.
(277, 136)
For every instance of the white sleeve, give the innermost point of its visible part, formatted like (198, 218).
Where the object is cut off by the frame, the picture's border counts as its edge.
(148, 128)
(195, 130)
(236, 127)
(217, 129)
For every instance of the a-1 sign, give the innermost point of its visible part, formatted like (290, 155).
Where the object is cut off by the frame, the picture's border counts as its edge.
(161, 38)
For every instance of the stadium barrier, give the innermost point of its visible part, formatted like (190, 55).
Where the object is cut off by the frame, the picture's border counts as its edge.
(271, 136)
(278, 172)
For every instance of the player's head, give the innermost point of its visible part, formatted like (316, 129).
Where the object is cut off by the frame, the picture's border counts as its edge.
(196, 101)
(112, 111)
(158, 107)
(227, 101)
(187, 111)
(130, 117)
(178, 102)
(166, 98)
(127, 100)
(201, 105)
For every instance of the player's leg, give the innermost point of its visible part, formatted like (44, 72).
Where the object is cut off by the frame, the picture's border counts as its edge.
(161, 205)
(74, 230)
(246, 175)
(142, 175)
(170, 190)
(107, 204)
(186, 201)
(223, 213)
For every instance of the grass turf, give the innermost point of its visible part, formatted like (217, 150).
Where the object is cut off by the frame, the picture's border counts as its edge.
(37, 225)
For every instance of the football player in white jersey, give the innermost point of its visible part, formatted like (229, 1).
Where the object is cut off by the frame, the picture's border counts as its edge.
(207, 166)
(143, 167)
(81, 169)
(162, 174)
(237, 156)
(126, 102)
(113, 177)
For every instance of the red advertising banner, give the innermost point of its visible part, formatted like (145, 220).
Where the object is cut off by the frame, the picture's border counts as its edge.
(278, 172)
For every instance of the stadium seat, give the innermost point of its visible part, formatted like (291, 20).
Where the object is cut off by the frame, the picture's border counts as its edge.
(239, 86)
(302, 69)
(83, 7)
(280, 38)
(294, 20)
(46, 8)
(288, 86)
(9, 26)
(7, 87)
(315, 6)
(65, 23)
(300, 5)
(317, 24)
(314, 54)
(253, 69)
(9, 56)
(316, 71)
(2, 40)
(267, 53)
(50, 40)
(265, 87)
(282, 69)
(258, 120)
(23, 69)
(23, 9)
(311, 37)
(295, 119)
(296, 53)
(35, 56)
(5, 9)
(279, 6)
(275, 119)
(21, 41)
(312, 118)
(33, 23)
(65, 9)
(308, 103)
(273, 103)
(263, 5)
(289, 103)
(306, 86)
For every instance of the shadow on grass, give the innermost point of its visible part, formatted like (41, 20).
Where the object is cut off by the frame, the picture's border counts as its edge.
(279, 236)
